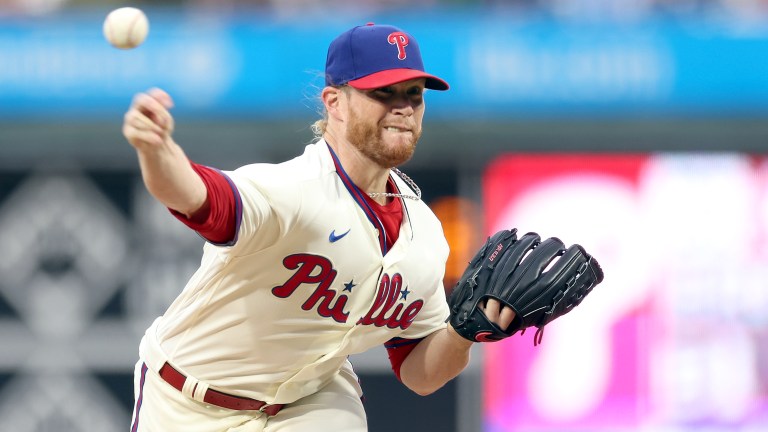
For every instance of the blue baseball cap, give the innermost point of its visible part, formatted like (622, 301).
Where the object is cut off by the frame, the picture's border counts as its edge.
(373, 56)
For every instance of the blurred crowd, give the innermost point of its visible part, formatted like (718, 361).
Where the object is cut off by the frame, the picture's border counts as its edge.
(599, 9)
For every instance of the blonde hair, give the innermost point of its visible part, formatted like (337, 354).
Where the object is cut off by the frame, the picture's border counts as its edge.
(319, 126)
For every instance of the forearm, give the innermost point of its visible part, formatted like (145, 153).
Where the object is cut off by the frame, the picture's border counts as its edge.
(169, 177)
(436, 360)
(167, 174)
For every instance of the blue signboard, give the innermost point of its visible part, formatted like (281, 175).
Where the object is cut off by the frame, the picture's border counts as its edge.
(498, 66)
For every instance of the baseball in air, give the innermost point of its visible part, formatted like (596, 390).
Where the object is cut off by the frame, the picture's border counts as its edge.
(126, 27)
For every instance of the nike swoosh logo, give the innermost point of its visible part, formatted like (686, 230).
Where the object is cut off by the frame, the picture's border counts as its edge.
(334, 238)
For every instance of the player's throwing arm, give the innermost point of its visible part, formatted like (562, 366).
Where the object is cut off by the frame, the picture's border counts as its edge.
(166, 171)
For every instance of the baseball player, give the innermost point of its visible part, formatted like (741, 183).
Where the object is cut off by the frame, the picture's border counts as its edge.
(305, 262)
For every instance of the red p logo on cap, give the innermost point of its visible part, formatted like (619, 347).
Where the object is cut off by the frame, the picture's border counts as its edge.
(401, 40)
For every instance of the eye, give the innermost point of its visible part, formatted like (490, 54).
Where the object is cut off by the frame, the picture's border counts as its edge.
(383, 91)
(415, 91)
(415, 94)
(381, 94)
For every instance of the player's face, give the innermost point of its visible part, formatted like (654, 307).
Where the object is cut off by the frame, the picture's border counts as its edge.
(384, 124)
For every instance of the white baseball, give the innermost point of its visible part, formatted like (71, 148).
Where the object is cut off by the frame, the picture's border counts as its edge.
(126, 27)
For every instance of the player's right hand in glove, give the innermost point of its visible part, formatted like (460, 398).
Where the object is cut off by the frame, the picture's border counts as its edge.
(539, 280)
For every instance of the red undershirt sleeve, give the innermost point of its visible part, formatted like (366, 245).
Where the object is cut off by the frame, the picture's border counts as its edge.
(397, 350)
(217, 220)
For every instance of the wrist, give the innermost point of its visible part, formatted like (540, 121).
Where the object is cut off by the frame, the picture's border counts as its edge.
(457, 339)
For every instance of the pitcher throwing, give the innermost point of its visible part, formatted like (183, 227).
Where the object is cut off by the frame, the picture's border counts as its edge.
(305, 263)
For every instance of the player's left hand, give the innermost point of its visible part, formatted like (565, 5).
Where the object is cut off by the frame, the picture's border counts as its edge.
(514, 283)
(500, 315)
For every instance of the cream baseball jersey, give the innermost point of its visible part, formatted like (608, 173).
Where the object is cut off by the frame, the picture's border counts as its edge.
(304, 284)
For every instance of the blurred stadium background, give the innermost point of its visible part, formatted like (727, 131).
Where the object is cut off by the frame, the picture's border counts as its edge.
(634, 127)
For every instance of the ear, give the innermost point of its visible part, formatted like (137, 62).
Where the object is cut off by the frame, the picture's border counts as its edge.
(334, 101)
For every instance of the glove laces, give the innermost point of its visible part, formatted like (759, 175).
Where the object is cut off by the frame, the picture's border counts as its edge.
(536, 337)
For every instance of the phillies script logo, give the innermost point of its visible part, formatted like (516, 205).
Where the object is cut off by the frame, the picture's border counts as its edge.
(315, 270)
(401, 40)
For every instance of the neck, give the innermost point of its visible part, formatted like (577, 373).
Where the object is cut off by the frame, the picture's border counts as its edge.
(366, 174)
(360, 176)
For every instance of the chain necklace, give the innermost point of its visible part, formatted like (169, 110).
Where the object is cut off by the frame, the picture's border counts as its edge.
(405, 178)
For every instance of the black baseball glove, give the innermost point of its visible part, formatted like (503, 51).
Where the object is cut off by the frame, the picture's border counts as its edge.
(539, 280)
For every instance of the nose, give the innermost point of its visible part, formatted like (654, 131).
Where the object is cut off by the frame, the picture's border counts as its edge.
(403, 106)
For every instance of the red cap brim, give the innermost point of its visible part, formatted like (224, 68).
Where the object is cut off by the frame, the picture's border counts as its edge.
(393, 76)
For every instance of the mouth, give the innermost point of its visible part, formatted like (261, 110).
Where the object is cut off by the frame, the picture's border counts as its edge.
(396, 129)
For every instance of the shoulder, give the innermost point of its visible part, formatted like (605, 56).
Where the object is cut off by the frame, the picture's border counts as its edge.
(288, 187)
(314, 164)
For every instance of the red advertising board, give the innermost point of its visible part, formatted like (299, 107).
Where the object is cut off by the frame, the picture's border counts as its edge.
(676, 336)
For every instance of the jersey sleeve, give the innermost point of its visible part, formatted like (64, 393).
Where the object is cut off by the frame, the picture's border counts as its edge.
(218, 219)
(269, 202)
(397, 351)
(268, 207)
